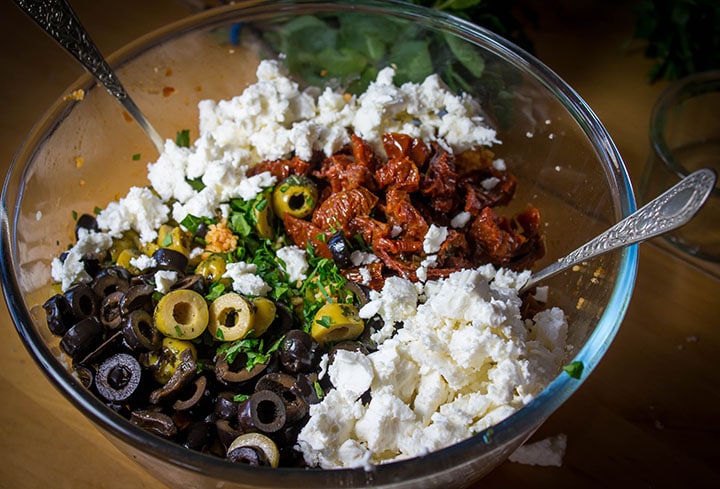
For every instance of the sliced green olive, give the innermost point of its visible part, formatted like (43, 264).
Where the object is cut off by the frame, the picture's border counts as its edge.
(181, 314)
(264, 219)
(173, 238)
(256, 441)
(296, 196)
(231, 317)
(129, 240)
(212, 268)
(264, 315)
(336, 322)
(166, 360)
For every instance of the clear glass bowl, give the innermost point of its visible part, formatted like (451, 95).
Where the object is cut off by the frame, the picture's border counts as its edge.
(82, 154)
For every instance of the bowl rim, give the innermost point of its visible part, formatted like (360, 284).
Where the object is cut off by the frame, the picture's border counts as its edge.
(521, 423)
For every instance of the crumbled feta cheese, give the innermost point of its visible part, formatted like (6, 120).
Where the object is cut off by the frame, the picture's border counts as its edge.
(434, 238)
(461, 219)
(490, 183)
(359, 258)
(164, 280)
(143, 262)
(71, 270)
(351, 372)
(462, 361)
(244, 279)
(294, 264)
(140, 210)
(499, 164)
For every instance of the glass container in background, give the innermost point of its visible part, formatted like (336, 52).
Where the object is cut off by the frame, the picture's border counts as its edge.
(685, 136)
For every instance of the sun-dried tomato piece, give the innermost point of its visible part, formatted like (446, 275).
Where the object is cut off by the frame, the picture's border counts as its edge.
(303, 232)
(439, 182)
(399, 146)
(400, 211)
(341, 207)
(486, 188)
(369, 229)
(494, 238)
(399, 173)
(375, 272)
(281, 169)
(343, 172)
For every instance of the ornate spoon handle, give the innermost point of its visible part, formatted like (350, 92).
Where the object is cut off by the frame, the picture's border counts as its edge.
(675, 207)
(58, 19)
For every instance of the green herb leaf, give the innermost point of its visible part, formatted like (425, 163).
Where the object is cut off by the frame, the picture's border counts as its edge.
(240, 397)
(136, 157)
(196, 184)
(319, 392)
(182, 138)
(574, 369)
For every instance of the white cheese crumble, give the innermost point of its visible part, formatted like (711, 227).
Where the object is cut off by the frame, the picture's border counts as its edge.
(71, 270)
(244, 279)
(462, 361)
(143, 262)
(434, 238)
(294, 262)
(461, 219)
(164, 280)
(141, 210)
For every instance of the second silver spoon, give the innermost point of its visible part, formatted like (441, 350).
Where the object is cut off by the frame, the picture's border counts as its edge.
(675, 207)
(58, 19)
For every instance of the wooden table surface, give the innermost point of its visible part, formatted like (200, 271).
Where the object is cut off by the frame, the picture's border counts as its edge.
(648, 416)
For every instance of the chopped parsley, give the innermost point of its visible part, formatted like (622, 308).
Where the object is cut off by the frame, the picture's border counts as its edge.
(136, 157)
(253, 349)
(574, 369)
(182, 138)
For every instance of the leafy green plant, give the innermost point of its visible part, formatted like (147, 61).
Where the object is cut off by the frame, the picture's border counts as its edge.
(349, 50)
(683, 36)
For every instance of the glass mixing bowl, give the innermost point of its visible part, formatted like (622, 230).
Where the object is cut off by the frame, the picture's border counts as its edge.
(83, 154)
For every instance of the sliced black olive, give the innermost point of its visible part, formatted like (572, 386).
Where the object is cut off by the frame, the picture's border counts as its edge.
(86, 222)
(82, 338)
(195, 398)
(111, 279)
(361, 292)
(236, 372)
(182, 376)
(137, 297)
(226, 433)
(197, 435)
(252, 456)
(110, 314)
(340, 250)
(139, 332)
(118, 377)
(298, 352)
(58, 314)
(154, 422)
(225, 406)
(85, 374)
(305, 387)
(194, 282)
(263, 411)
(284, 386)
(169, 259)
(284, 320)
(84, 303)
(103, 350)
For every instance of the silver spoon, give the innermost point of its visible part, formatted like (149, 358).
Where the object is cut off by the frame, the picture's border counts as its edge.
(675, 207)
(58, 19)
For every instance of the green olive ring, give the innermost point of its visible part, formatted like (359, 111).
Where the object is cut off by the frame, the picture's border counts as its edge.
(296, 196)
(181, 314)
(231, 317)
(257, 441)
(336, 322)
